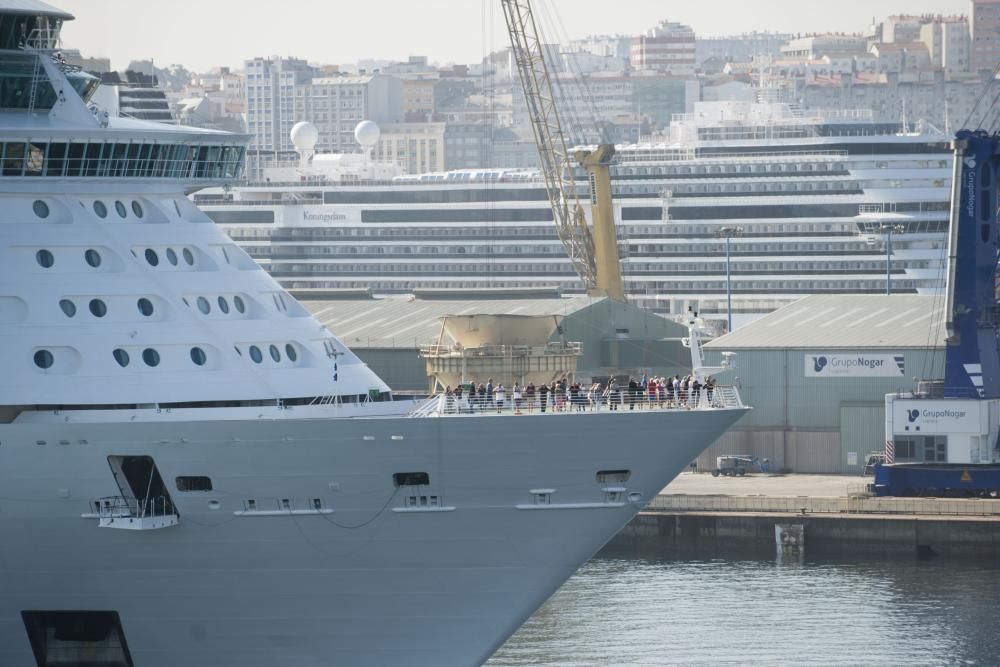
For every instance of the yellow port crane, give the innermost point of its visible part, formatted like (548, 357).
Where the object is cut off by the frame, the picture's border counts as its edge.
(593, 252)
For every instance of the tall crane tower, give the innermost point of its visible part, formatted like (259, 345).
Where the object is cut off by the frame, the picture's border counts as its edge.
(593, 252)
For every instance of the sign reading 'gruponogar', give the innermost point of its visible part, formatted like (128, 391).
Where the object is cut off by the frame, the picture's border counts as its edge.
(854, 365)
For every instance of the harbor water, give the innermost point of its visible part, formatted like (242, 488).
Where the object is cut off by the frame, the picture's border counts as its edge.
(644, 613)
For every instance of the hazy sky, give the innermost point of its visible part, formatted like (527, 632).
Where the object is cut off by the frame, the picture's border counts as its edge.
(204, 33)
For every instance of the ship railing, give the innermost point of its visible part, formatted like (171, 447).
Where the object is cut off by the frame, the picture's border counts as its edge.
(553, 348)
(123, 507)
(443, 404)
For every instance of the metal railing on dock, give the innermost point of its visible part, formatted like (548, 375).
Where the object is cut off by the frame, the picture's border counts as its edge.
(445, 405)
(852, 503)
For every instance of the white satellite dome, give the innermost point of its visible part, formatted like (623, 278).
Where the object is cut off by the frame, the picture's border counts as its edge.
(304, 136)
(367, 133)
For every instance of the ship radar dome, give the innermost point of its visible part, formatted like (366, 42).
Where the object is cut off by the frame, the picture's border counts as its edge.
(367, 134)
(304, 136)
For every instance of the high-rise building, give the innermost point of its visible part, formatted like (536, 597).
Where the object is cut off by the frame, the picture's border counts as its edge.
(947, 40)
(284, 91)
(669, 47)
(985, 24)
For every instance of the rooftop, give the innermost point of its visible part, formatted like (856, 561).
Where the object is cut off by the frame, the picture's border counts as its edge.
(32, 8)
(410, 322)
(840, 321)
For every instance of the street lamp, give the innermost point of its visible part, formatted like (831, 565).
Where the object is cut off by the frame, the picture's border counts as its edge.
(888, 230)
(728, 233)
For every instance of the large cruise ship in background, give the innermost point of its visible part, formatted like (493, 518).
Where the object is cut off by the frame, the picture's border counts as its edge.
(809, 199)
(194, 471)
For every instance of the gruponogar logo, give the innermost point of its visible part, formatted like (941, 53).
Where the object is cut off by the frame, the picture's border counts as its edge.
(970, 185)
(819, 363)
(912, 415)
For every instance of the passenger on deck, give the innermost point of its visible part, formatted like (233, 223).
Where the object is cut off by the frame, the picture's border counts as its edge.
(500, 394)
(543, 391)
(529, 395)
(518, 397)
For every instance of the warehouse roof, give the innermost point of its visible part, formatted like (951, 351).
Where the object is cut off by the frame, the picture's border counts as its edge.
(409, 322)
(845, 321)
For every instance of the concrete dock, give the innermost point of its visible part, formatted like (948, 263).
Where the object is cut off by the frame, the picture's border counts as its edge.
(698, 514)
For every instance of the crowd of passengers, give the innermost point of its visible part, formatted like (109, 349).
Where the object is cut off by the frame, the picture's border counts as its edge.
(563, 395)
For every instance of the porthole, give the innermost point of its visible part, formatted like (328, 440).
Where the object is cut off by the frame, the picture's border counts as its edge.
(100, 209)
(93, 257)
(238, 302)
(44, 259)
(120, 207)
(121, 356)
(152, 257)
(68, 307)
(223, 304)
(198, 356)
(44, 359)
(137, 209)
(151, 357)
(274, 353)
(188, 256)
(97, 308)
(291, 353)
(255, 354)
(171, 256)
(41, 208)
(204, 306)
(145, 306)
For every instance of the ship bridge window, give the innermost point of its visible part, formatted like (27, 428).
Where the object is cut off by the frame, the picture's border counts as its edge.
(198, 356)
(145, 306)
(45, 259)
(194, 483)
(151, 357)
(44, 359)
(411, 478)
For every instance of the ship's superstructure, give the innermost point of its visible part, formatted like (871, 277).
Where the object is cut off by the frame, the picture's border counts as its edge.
(193, 471)
(807, 198)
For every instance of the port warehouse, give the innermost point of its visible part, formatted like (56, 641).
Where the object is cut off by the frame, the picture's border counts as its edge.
(817, 371)
(388, 333)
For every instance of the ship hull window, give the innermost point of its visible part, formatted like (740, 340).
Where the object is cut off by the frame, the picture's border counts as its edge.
(77, 638)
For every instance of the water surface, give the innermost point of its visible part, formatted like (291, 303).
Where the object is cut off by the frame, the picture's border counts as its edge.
(645, 613)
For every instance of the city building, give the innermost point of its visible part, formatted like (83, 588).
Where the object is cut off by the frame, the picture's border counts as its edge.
(740, 48)
(985, 34)
(284, 91)
(814, 47)
(669, 47)
(948, 43)
(417, 147)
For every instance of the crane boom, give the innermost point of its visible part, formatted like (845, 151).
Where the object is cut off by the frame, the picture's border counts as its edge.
(599, 270)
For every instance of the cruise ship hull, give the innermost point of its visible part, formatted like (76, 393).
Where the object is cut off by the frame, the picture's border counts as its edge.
(333, 564)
